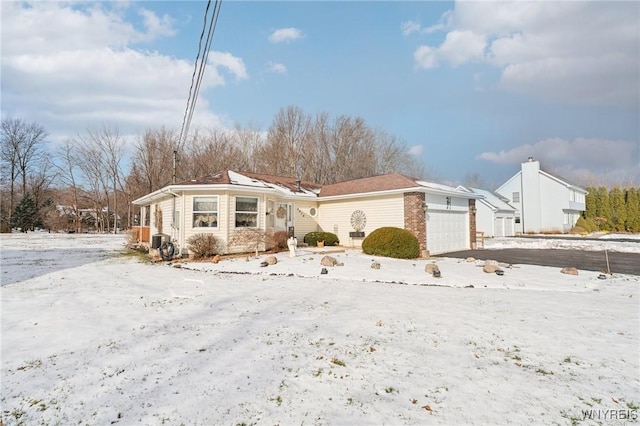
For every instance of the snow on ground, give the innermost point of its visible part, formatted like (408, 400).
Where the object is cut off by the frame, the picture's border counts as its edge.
(629, 243)
(91, 335)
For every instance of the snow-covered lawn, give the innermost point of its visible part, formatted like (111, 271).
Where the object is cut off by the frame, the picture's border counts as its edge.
(91, 335)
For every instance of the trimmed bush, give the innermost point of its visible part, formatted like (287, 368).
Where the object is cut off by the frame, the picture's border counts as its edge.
(202, 245)
(329, 238)
(392, 242)
(279, 240)
(589, 225)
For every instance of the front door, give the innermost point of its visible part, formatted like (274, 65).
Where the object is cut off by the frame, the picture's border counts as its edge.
(282, 216)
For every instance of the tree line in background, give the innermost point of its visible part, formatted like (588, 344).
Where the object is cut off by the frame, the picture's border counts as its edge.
(87, 183)
(616, 209)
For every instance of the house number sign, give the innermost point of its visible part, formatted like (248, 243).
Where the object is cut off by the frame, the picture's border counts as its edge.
(358, 220)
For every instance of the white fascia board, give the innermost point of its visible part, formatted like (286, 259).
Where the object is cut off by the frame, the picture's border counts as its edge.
(567, 184)
(161, 193)
(517, 175)
(402, 191)
(488, 204)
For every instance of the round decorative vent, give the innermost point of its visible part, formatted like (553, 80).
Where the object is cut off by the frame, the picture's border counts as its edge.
(312, 211)
(358, 220)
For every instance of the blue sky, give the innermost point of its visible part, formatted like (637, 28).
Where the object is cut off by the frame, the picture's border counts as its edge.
(470, 87)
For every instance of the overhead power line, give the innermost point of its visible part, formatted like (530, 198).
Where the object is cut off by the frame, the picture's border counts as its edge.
(208, 28)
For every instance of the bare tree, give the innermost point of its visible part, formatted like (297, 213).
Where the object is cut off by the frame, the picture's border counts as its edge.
(67, 166)
(93, 174)
(474, 180)
(154, 155)
(248, 140)
(111, 146)
(210, 152)
(21, 148)
(287, 143)
(102, 151)
(39, 182)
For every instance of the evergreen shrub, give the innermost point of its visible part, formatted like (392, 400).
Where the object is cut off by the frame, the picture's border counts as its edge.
(392, 242)
(329, 238)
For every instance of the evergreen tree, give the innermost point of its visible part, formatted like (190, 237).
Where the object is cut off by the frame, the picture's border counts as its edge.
(25, 216)
(618, 209)
(603, 209)
(633, 209)
(590, 203)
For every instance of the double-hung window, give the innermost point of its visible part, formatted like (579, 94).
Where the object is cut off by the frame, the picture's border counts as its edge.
(246, 212)
(205, 212)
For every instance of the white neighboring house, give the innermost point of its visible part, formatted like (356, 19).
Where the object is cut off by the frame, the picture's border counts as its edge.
(543, 202)
(495, 217)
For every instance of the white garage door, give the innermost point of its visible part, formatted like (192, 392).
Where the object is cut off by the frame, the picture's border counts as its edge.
(499, 227)
(447, 231)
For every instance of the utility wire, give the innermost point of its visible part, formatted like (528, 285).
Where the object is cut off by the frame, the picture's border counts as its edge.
(208, 27)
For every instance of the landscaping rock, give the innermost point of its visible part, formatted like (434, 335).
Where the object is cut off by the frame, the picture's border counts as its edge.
(328, 261)
(263, 264)
(375, 265)
(215, 259)
(271, 260)
(430, 268)
(491, 262)
(324, 271)
(470, 259)
(569, 271)
(490, 269)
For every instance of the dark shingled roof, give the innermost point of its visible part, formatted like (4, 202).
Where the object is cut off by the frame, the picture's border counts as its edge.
(369, 184)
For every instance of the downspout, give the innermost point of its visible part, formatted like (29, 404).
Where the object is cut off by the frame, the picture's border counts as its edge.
(173, 221)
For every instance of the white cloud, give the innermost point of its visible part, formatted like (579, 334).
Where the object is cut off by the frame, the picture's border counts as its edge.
(581, 160)
(72, 66)
(425, 57)
(276, 68)
(157, 26)
(233, 64)
(462, 46)
(285, 35)
(410, 27)
(571, 52)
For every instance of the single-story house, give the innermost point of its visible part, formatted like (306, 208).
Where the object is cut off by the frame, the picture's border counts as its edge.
(495, 216)
(543, 202)
(442, 217)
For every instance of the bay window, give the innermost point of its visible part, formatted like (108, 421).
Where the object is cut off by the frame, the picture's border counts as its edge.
(205, 212)
(246, 212)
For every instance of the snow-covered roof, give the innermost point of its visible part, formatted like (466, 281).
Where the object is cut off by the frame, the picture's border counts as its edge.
(493, 201)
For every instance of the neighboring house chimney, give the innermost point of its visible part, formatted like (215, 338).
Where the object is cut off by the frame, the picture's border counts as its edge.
(298, 184)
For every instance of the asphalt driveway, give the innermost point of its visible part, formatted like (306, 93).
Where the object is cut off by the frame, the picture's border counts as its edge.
(622, 263)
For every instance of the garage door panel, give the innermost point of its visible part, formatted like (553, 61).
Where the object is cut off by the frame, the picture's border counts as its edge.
(499, 227)
(446, 231)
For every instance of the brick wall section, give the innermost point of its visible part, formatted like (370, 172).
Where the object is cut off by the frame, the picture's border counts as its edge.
(472, 223)
(414, 217)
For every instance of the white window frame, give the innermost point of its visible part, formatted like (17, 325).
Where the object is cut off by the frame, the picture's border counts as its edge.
(205, 216)
(246, 214)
